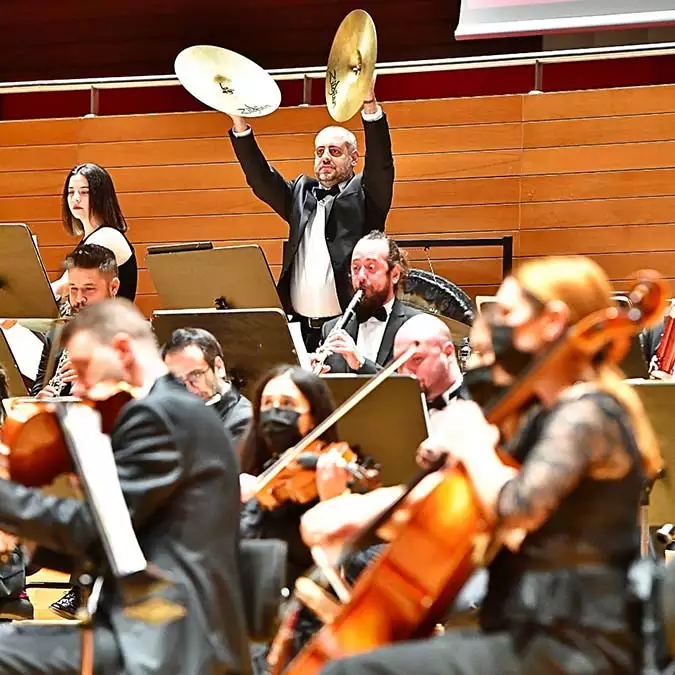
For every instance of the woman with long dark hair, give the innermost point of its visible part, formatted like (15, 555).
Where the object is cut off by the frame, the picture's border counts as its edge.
(562, 595)
(288, 403)
(90, 210)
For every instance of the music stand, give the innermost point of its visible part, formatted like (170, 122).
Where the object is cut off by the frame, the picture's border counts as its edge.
(658, 399)
(388, 425)
(25, 292)
(15, 383)
(253, 340)
(232, 277)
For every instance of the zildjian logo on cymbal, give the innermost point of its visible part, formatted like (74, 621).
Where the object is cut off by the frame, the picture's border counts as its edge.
(249, 109)
(333, 84)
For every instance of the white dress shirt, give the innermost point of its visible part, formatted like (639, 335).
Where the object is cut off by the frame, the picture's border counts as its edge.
(313, 291)
(370, 334)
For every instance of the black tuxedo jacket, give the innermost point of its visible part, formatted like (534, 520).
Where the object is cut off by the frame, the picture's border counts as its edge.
(180, 479)
(400, 313)
(362, 205)
(235, 412)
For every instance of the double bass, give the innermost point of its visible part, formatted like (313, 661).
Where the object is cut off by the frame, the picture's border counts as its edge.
(405, 593)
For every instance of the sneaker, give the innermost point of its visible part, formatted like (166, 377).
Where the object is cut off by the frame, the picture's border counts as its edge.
(67, 606)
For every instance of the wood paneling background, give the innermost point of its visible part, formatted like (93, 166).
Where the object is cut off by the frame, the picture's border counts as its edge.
(580, 172)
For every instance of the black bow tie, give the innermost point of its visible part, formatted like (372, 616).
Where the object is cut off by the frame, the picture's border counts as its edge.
(439, 403)
(380, 314)
(320, 192)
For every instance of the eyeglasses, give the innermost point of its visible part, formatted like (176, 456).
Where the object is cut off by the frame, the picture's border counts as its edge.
(194, 376)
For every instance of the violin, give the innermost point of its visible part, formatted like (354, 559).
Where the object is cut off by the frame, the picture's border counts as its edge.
(275, 480)
(37, 443)
(404, 593)
(297, 482)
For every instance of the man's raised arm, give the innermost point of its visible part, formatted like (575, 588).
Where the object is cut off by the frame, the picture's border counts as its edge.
(265, 181)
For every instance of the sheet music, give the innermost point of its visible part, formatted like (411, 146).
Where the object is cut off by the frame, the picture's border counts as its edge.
(295, 330)
(93, 456)
(26, 347)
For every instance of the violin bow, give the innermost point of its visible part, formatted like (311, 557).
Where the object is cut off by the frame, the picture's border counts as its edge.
(293, 453)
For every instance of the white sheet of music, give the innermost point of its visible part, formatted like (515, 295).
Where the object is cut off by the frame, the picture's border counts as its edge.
(94, 459)
(26, 349)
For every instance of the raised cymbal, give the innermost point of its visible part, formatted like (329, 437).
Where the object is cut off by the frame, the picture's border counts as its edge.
(351, 65)
(227, 81)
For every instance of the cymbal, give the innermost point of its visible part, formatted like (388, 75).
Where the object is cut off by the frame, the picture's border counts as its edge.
(227, 81)
(351, 65)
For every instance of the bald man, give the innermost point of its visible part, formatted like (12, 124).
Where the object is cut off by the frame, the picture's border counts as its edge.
(327, 213)
(434, 362)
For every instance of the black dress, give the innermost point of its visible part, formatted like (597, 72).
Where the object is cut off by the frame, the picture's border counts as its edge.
(127, 271)
(563, 602)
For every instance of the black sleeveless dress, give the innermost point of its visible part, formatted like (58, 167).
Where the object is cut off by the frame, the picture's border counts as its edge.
(565, 602)
(127, 271)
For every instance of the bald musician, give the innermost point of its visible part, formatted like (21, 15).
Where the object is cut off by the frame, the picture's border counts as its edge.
(434, 362)
(327, 213)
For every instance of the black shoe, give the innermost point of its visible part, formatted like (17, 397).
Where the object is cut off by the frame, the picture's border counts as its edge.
(17, 609)
(67, 606)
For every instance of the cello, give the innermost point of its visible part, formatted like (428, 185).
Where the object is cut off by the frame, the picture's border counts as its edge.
(404, 594)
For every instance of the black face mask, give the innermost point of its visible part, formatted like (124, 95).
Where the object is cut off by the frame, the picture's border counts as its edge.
(507, 355)
(480, 383)
(279, 429)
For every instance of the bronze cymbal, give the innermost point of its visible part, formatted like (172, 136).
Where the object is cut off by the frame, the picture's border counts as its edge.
(351, 65)
(227, 81)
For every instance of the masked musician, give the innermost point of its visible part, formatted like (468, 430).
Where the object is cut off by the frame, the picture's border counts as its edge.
(378, 268)
(560, 598)
(327, 213)
(195, 357)
(178, 473)
(90, 209)
(92, 277)
(289, 402)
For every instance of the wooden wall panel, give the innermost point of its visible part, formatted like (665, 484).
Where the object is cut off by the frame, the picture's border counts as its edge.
(574, 173)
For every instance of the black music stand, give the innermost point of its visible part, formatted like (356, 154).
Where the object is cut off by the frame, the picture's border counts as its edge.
(16, 385)
(253, 340)
(233, 277)
(658, 503)
(387, 426)
(25, 292)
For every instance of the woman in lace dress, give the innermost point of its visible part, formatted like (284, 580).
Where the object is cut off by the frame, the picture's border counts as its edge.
(559, 598)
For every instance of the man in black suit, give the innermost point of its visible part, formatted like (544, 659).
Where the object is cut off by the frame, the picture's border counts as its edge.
(327, 214)
(179, 477)
(367, 341)
(92, 277)
(195, 357)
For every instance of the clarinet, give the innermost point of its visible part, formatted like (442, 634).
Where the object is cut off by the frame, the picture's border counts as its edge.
(56, 383)
(322, 353)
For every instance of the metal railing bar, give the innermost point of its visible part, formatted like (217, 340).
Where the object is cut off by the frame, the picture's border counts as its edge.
(394, 67)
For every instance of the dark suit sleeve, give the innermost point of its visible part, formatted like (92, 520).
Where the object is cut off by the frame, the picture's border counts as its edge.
(378, 172)
(265, 181)
(148, 465)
